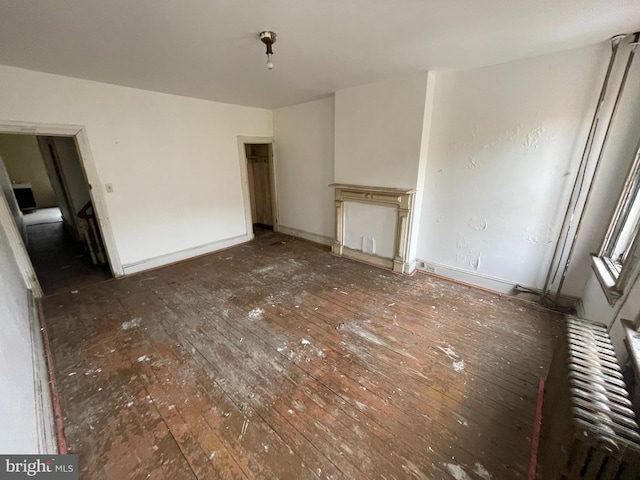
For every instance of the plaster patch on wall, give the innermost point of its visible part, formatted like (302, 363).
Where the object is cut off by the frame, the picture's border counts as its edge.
(533, 237)
(511, 134)
(462, 258)
(533, 137)
(475, 262)
(473, 259)
(469, 251)
(507, 135)
(463, 242)
(473, 163)
(477, 223)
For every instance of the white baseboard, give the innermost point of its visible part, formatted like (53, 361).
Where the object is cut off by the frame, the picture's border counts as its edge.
(484, 281)
(313, 237)
(411, 267)
(45, 418)
(174, 257)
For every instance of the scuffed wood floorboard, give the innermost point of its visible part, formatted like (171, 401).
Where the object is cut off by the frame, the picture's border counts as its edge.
(275, 359)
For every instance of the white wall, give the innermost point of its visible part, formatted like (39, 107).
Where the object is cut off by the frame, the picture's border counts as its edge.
(597, 308)
(427, 125)
(17, 397)
(173, 161)
(379, 131)
(503, 150)
(629, 309)
(24, 163)
(304, 152)
(594, 302)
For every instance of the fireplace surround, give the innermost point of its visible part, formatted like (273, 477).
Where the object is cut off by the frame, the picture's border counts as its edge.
(400, 198)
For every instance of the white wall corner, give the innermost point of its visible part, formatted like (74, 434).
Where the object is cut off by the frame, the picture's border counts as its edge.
(422, 169)
(304, 136)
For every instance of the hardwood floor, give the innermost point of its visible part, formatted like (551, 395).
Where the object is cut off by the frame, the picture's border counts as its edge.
(275, 359)
(60, 261)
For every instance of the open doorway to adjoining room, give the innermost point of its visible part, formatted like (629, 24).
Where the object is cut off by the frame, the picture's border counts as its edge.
(46, 188)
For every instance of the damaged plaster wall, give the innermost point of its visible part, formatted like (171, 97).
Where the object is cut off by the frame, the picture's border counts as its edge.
(505, 144)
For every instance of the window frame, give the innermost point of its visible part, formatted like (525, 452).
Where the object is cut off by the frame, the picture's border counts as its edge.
(614, 277)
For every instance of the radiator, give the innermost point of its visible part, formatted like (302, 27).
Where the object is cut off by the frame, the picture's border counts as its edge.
(588, 428)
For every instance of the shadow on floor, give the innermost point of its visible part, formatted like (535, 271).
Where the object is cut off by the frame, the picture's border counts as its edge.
(61, 262)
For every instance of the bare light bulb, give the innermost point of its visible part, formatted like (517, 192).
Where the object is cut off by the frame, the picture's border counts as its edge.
(268, 38)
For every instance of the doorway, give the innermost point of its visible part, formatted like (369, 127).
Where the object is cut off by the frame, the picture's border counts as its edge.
(261, 181)
(54, 214)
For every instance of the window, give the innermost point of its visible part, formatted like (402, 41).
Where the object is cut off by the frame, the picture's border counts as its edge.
(619, 252)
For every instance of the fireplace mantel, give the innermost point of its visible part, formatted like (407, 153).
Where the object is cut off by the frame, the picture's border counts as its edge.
(401, 198)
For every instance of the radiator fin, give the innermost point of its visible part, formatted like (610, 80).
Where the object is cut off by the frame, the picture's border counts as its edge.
(588, 429)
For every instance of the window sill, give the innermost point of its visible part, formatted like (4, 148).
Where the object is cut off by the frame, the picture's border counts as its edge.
(606, 279)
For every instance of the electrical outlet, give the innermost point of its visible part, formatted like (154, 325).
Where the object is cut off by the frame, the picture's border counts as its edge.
(108, 187)
(429, 268)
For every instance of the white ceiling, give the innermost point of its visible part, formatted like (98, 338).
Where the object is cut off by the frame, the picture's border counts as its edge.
(210, 48)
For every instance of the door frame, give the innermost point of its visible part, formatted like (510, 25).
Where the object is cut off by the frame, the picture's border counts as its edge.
(87, 163)
(244, 177)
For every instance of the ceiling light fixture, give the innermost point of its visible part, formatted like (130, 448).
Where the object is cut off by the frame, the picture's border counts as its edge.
(268, 38)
